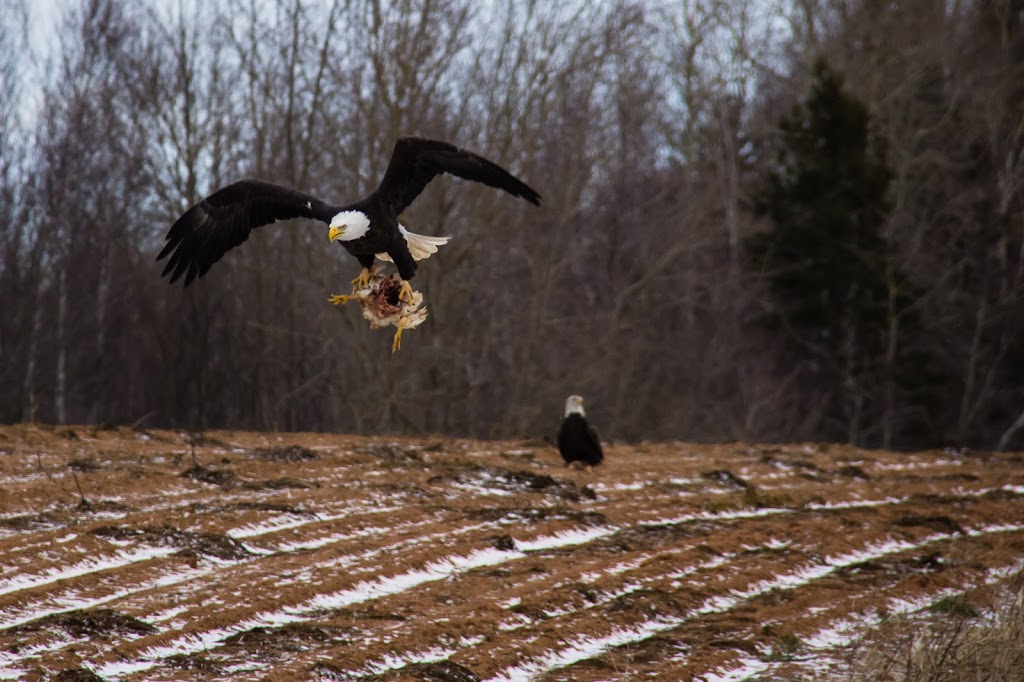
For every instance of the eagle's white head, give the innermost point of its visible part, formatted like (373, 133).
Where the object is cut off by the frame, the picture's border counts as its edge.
(348, 225)
(574, 405)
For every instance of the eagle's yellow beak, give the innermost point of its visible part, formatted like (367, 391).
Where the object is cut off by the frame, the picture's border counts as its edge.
(335, 232)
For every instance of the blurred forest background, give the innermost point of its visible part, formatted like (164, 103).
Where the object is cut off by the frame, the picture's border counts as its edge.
(768, 220)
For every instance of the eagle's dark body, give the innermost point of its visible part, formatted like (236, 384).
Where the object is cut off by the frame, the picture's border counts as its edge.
(223, 220)
(577, 439)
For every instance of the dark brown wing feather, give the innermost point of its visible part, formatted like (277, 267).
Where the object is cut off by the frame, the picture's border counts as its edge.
(416, 161)
(223, 220)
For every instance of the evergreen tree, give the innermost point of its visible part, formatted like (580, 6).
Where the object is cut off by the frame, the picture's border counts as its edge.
(836, 291)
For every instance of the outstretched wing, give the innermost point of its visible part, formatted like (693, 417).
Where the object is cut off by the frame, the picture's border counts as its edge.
(223, 220)
(415, 161)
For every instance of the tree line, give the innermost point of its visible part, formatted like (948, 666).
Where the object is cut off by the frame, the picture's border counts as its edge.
(767, 221)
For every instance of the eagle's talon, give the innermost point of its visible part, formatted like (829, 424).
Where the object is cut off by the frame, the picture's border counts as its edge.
(405, 293)
(363, 280)
(341, 299)
(397, 343)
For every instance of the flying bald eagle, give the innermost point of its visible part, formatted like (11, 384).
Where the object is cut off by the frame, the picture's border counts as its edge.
(368, 228)
(577, 440)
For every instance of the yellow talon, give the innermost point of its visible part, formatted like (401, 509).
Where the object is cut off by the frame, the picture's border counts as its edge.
(341, 299)
(405, 294)
(397, 343)
(363, 280)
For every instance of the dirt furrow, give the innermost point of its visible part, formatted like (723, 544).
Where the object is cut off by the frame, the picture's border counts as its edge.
(299, 556)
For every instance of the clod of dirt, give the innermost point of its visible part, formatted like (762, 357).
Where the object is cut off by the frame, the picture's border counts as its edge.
(262, 506)
(654, 535)
(355, 614)
(514, 481)
(390, 453)
(503, 542)
(88, 623)
(925, 563)
(197, 439)
(775, 596)
(405, 489)
(1002, 495)
(735, 644)
(933, 500)
(851, 471)
(956, 605)
(81, 464)
(198, 662)
(726, 478)
(649, 604)
(41, 521)
(291, 453)
(534, 515)
(189, 543)
(100, 506)
(942, 524)
(285, 483)
(76, 675)
(654, 649)
(291, 637)
(215, 476)
(519, 457)
(441, 671)
(956, 476)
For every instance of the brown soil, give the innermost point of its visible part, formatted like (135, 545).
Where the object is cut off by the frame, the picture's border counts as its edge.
(330, 557)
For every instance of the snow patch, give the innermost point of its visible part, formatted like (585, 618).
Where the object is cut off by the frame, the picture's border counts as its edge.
(119, 560)
(583, 648)
(364, 591)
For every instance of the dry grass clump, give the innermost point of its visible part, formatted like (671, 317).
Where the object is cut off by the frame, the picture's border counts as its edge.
(954, 640)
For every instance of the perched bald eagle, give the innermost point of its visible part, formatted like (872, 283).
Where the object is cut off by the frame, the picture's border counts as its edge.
(368, 228)
(577, 440)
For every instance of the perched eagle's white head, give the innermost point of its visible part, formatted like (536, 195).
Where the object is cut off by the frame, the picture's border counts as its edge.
(348, 225)
(574, 405)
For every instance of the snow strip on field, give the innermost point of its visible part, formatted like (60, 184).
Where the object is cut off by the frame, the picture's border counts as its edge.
(278, 524)
(127, 557)
(73, 602)
(9, 671)
(744, 668)
(802, 576)
(360, 561)
(606, 596)
(361, 592)
(770, 511)
(69, 602)
(842, 634)
(564, 539)
(317, 543)
(856, 504)
(622, 567)
(582, 648)
(397, 661)
(606, 487)
(122, 558)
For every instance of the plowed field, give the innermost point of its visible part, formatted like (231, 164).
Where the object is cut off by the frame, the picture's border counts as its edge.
(330, 557)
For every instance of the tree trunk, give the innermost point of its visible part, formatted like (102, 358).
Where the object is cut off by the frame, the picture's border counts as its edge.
(60, 391)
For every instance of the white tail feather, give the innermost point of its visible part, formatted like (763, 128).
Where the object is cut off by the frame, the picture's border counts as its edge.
(420, 245)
